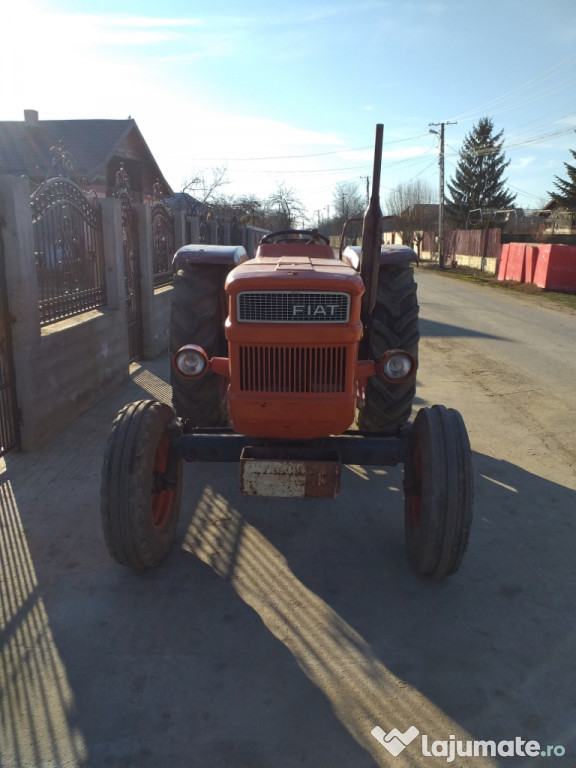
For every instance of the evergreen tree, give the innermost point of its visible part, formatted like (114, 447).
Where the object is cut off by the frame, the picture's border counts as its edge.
(478, 182)
(566, 197)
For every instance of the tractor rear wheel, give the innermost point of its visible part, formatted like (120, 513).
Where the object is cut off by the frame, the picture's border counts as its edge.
(197, 316)
(141, 488)
(394, 325)
(439, 489)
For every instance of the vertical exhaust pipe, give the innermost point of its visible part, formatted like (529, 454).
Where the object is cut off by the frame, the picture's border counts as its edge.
(372, 234)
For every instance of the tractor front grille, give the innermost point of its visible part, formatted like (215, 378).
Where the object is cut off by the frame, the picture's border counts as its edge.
(293, 307)
(313, 370)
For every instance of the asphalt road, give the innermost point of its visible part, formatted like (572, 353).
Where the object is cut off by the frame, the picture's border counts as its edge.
(280, 633)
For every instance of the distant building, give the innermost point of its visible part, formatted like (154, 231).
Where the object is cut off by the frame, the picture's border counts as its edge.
(543, 221)
(185, 203)
(99, 155)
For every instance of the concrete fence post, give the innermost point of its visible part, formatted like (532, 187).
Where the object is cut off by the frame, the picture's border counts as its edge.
(146, 278)
(179, 230)
(23, 295)
(194, 222)
(113, 253)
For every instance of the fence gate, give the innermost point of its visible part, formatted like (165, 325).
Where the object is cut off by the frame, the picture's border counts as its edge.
(162, 244)
(69, 251)
(9, 417)
(130, 245)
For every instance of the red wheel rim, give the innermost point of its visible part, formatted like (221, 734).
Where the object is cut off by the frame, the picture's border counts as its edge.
(161, 500)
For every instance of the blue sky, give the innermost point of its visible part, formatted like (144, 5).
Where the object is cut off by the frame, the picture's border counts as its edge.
(291, 93)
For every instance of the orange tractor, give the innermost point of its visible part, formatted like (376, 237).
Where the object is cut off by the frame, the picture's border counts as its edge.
(275, 359)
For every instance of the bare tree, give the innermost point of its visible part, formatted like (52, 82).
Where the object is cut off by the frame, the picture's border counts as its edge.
(414, 206)
(348, 201)
(223, 206)
(203, 186)
(251, 207)
(285, 210)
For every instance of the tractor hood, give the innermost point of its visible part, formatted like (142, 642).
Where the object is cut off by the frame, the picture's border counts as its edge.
(294, 273)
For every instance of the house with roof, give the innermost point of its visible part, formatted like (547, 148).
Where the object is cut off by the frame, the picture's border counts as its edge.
(99, 155)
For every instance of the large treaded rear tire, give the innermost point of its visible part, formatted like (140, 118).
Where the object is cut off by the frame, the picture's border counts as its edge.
(394, 325)
(197, 316)
(139, 508)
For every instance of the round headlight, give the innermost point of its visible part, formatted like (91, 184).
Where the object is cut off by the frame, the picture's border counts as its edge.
(397, 366)
(191, 361)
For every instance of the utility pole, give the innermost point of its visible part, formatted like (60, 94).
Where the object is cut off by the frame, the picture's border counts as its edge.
(441, 255)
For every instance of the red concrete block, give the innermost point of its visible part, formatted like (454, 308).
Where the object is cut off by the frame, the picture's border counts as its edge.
(556, 267)
(503, 261)
(530, 259)
(542, 263)
(515, 265)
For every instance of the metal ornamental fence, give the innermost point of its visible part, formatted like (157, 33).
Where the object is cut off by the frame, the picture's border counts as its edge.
(80, 254)
(69, 251)
(162, 243)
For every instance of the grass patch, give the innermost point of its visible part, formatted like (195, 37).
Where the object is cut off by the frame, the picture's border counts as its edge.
(558, 298)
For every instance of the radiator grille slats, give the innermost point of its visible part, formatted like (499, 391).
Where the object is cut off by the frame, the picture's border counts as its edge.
(312, 370)
(293, 307)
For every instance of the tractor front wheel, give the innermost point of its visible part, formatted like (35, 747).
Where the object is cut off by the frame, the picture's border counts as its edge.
(439, 489)
(141, 485)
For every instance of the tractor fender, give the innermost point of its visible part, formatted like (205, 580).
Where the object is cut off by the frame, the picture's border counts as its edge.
(221, 255)
(389, 254)
(397, 254)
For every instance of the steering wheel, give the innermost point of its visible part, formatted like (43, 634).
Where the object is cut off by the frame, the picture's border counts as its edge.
(295, 236)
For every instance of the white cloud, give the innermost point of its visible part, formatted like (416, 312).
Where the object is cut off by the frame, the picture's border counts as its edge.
(520, 163)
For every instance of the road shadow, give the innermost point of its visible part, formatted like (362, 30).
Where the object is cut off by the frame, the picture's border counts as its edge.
(433, 328)
(493, 648)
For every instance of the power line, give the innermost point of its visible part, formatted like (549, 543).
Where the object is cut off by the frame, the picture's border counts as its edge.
(313, 154)
(542, 77)
(508, 146)
(407, 161)
(523, 192)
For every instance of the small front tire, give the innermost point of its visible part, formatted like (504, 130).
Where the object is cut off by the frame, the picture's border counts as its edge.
(439, 490)
(141, 485)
